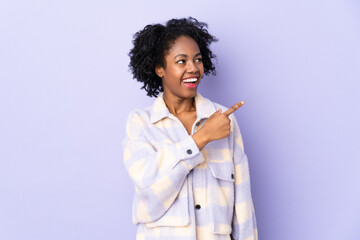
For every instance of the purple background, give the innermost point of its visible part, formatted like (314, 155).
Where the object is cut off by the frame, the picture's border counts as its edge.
(65, 93)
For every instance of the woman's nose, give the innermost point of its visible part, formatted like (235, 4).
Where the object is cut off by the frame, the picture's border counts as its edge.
(192, 67)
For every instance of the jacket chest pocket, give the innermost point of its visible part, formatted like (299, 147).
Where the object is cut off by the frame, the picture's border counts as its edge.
(221, 181)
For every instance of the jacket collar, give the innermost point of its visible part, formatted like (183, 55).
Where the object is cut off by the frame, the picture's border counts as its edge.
(204, 108)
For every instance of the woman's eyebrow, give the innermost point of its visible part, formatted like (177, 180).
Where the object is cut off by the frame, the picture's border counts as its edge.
(180, 55)
(184, 55)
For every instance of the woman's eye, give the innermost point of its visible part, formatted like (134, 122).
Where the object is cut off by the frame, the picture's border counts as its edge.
(181, 61)
(199, 60)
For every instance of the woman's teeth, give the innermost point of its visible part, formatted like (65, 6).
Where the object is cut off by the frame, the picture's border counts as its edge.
(190, 80)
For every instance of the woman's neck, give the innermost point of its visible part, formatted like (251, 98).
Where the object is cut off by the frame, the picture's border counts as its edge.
(178, 105)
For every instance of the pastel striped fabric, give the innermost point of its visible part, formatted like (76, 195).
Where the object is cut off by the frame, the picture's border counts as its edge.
(180, 192)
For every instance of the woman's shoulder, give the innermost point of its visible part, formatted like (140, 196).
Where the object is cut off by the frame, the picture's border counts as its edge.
(206, 102)
(140, 114)
(217, 106)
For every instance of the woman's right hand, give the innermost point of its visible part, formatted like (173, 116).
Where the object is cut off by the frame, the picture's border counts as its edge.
(216, 127)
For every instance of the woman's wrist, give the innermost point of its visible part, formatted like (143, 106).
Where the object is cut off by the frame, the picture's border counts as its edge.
(200, 139)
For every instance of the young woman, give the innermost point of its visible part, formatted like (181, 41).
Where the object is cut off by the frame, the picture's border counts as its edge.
(184, 153)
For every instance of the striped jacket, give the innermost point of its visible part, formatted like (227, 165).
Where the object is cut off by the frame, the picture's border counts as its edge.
(181, 192)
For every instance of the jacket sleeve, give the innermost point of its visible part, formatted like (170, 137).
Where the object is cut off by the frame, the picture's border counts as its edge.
(244, 221)
(158, 170)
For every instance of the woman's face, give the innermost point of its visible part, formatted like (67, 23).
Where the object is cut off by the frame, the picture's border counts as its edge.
(184, 69)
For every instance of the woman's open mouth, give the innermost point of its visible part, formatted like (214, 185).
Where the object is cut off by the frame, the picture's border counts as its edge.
(190, 82)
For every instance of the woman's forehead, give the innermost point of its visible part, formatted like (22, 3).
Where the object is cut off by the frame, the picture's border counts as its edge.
(183, 45)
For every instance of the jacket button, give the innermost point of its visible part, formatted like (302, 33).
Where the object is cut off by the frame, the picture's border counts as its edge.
(198, 123)
(197, 206)
(189, 151)
(232, 176)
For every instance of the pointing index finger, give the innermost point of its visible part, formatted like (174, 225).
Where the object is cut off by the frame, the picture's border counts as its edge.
(234, 108)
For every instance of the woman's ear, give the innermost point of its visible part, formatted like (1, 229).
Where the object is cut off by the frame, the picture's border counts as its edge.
(159, 71)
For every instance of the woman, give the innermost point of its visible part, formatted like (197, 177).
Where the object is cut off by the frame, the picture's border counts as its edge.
(184, 153)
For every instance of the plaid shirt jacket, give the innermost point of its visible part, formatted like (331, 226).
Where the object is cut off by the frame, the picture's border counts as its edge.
(181, 192)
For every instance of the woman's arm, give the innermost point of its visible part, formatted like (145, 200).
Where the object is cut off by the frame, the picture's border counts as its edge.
(158, 174)
(244, 221)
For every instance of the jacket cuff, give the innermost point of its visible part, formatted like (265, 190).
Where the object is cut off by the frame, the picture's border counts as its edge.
(188, 153)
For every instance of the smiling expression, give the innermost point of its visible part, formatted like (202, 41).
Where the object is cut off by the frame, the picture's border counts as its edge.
(184, 68)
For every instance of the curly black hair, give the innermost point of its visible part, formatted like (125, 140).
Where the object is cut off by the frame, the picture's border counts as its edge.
(152, 43)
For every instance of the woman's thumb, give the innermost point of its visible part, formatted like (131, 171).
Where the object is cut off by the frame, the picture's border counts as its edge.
(216, 113)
